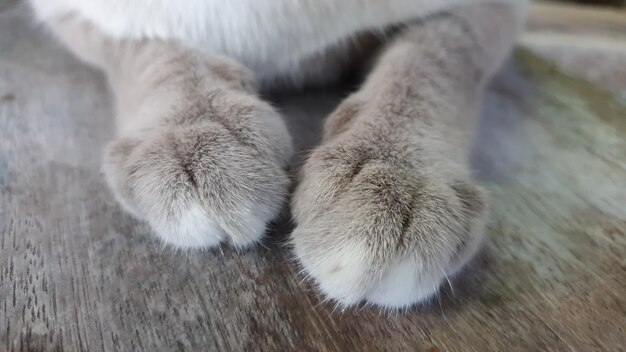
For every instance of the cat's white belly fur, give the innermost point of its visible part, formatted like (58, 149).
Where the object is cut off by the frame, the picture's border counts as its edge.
(271, 37)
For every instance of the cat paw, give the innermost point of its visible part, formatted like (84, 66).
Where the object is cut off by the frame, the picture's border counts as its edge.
(206, 180)
(374, 226)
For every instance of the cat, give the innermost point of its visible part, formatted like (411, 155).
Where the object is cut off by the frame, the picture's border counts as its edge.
(385, 207)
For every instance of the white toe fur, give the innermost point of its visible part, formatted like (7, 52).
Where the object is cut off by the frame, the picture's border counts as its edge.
(403, 285)
(347, 277)
(193, 229)
(196, 229)
(250, 223)
(339, 272)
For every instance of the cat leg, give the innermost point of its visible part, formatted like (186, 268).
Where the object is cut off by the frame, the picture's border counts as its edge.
(197, 155)
(386, 208)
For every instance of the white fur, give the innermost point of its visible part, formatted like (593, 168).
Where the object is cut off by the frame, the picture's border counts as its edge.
(405, 283)
(252, 222)
(193, 229)
(271, 37)
(344, 274)
(340, 271)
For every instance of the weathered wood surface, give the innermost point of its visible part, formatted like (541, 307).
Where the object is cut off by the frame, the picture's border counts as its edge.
(77, 274)
(590, 41)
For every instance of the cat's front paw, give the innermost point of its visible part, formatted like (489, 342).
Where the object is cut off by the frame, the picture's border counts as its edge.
(203, 183)
(372, 226)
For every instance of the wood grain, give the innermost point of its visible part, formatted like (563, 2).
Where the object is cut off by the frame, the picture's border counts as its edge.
(589, 41)
(77, 274)
(567, 18)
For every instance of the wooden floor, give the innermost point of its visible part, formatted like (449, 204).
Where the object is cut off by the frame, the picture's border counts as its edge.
(77, 274)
